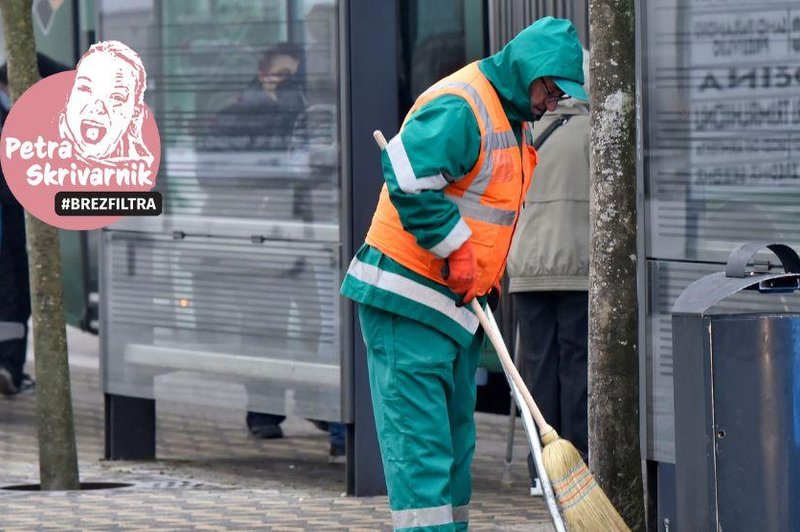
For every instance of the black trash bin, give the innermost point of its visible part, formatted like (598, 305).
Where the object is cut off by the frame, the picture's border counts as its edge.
(737, 399)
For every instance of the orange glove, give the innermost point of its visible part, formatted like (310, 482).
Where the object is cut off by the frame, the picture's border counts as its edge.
(461, 273)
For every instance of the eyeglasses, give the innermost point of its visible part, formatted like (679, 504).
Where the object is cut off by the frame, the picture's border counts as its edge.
(551, 96)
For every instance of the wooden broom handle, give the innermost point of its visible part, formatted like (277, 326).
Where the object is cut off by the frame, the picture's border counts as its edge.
(508, 365)
(379, 138)
(497, 341)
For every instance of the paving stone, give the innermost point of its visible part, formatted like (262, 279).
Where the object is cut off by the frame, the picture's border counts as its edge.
(210, 475)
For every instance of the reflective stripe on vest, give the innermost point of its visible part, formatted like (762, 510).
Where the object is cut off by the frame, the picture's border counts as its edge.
(529, 134)
(490, 139)
(470, 207)
(489, 196)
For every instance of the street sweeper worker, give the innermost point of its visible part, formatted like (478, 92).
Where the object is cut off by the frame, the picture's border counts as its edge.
(456, 176)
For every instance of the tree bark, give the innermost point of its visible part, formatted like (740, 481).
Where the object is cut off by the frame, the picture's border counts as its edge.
(614, 450)
(58, 457)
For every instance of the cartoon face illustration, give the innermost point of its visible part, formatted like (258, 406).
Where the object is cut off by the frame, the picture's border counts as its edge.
(104, 113)
(101, 104)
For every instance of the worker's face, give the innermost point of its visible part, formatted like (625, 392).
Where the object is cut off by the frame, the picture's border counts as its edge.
(544, 95)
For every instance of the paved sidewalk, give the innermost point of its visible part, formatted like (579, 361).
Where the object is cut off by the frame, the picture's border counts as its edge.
(211, 476)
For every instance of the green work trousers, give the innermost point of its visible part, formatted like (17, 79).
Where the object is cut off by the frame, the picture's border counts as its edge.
(423, 395)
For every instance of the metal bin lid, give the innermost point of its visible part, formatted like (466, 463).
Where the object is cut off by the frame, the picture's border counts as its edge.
(706, 292)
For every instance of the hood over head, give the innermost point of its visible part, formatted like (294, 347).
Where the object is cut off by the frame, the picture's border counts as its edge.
(573, 106)
(547, 48)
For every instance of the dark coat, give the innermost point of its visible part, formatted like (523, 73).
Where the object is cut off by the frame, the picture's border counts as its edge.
(256, 122)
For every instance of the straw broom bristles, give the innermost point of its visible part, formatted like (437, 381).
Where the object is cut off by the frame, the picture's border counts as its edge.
(583, 504)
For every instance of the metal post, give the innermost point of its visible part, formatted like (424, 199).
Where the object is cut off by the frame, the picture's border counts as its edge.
(130, 428)
(373, 84)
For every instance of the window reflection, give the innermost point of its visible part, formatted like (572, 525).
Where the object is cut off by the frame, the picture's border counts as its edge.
(246, 97)
(437, 38)
(243, 82)
(264, 113)
(721, 164)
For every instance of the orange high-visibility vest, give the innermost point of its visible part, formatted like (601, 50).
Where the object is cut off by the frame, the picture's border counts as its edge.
(489, 197)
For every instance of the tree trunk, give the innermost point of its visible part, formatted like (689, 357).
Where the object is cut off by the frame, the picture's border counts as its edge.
(614, 450)
(58, 457)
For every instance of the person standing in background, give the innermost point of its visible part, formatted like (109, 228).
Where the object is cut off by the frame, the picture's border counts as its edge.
(270, 116)
(15, 293)
(548, 272)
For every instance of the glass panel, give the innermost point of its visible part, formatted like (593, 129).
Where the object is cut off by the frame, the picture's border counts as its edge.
(244, 310)
(251, 117)
(246, 97)
(722, 145)
(262, 321)
(438, 38)
(721, 155)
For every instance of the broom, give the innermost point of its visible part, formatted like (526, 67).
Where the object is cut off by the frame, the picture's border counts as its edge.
(584, 505)
(582, 501)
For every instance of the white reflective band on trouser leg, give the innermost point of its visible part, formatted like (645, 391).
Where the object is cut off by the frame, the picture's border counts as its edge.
(420, 517)
(461, 514)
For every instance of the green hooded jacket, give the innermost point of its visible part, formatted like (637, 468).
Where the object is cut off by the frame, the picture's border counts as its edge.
(441, 140)
(547, 48)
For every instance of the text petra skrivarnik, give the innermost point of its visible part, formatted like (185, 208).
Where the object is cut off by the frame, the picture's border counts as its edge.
(133, 174)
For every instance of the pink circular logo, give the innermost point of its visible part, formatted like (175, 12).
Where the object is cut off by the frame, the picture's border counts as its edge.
(88, 136)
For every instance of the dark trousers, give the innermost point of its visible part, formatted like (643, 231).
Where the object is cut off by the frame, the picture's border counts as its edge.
(15, 295)
(552, 342)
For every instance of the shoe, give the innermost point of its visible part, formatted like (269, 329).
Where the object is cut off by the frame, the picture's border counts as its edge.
(324, 426)
(536, 488)
(264, 426)
(7, 386)
(266, 432)
(27, 386)
(337, 455)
